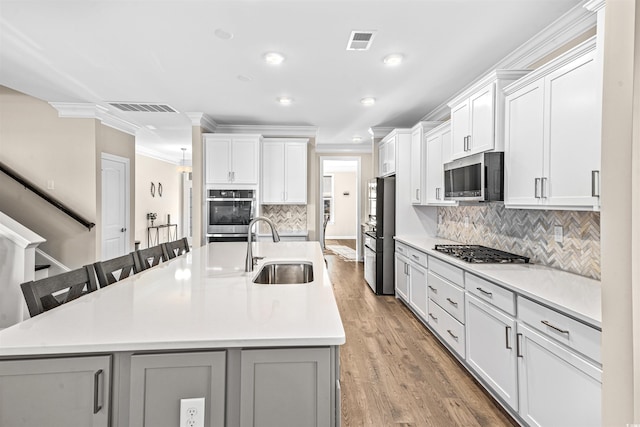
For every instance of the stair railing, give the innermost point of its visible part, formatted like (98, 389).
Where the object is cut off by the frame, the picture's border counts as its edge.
(29, 186)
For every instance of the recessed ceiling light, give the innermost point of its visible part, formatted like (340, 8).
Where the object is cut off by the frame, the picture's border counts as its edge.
(356, 139)
(222, 34)
(368, 101)
(284, 100)
(273, 58)
(393, 59)
(152, 127)
(243, 78)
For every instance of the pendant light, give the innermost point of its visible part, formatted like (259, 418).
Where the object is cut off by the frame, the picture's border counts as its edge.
(184, 167)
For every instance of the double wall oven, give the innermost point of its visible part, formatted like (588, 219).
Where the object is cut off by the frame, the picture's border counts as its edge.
(229, 213)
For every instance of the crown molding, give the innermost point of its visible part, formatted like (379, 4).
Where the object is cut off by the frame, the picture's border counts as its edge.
(203, 120)
(300, 140)
(78, 110)
(594, 5)
(575, 22)
(271, 131)
(362, 148)
(156, 155)
(380, 132)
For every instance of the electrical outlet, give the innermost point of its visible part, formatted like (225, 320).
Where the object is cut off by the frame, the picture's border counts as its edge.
(288, 215)
(466, 221)
(192, 412)
(51, 185)
(557, 234)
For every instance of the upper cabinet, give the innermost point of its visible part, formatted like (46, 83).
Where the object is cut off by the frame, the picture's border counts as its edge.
(284, 171)
(438, 152)
(553, 125)
(476, 115)
(231, 159)
(418, 161)
(387, 150)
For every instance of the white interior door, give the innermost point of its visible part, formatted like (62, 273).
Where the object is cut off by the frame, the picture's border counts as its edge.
(115, 206)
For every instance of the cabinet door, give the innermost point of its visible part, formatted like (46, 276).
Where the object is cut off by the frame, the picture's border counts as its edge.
(572, 131)
(418, 290)
(459, 129)
(435, 172)
(402, 278)
(56, 392)
(160, 381)
(273, 172)
(296, 173)
(218, 160)
(391, 155)
(482, 107)
(557, 387)
(382, 159)
(288, 387)
(524, 145)
(244, 160)
(416, 166)
(490, 343)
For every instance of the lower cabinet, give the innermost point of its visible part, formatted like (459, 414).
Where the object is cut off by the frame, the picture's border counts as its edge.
(55, 392)
(287, 387)
(418, 289)
(160, 381)
(491, 348)
(402, 277)
(557, 387)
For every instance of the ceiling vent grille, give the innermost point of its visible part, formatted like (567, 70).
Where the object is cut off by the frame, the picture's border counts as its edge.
(360, 40)
(143, 108)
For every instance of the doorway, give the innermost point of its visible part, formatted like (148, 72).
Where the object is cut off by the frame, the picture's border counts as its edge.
(115, 206)
(339, 204)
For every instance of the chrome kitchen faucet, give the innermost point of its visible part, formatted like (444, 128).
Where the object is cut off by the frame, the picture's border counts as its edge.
(251, 260)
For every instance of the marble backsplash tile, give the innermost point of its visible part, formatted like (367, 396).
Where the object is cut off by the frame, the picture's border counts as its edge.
(279, 214)
(529, 233)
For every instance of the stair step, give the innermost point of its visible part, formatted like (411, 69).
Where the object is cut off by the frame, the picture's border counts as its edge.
(42, 266)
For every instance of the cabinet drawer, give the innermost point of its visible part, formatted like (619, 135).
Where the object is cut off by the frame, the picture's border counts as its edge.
(418, 257)
(449, 296)
(401, 249)
(500, 297)
(576, 335)
(450, 330)
(446, 270)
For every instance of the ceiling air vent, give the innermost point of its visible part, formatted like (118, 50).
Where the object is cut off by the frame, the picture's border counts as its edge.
(143, 108)
(360, 40)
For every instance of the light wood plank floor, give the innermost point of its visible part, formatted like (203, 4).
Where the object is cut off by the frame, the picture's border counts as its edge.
(394, 371)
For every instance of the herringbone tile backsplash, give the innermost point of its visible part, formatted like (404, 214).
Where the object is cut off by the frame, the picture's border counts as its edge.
(529, 233)
(278, 214)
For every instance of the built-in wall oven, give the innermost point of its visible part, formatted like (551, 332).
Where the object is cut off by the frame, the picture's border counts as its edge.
(229, 213)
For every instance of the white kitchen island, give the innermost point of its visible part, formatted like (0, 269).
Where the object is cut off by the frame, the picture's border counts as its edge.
(193, 327)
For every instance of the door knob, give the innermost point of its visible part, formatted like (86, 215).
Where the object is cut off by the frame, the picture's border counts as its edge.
(122, 230)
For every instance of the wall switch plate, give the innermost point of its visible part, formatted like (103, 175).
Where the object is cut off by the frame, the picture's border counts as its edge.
(466, 221)
(288, 214)
(192, 412)
(558, 234)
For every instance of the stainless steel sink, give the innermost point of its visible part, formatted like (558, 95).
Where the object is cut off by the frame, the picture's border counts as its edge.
(284, 273)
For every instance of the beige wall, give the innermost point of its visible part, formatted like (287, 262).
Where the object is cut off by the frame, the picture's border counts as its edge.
(42, 147)
(344, 225)
(197, 150)
(150, 170)
(620, 222)
(112, 141)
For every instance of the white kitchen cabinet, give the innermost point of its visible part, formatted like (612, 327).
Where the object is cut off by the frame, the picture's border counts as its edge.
(231, 159)
(490, 346)
(70, 391)
(552, 152)
(402, 268)
(284, 172)
(387, 150)
(477, 115)
(557, 387)
(160, 381)
(418, 165)
(438, 152)
(418, 289)
(288, 387)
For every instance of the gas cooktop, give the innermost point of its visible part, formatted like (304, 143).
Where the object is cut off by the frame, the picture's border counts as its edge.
(480, 254)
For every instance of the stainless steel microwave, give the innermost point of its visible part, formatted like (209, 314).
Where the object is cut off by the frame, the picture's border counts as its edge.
(479, 177)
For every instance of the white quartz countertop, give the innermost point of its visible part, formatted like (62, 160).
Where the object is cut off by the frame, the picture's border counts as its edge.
(579, 297)
(201, 300)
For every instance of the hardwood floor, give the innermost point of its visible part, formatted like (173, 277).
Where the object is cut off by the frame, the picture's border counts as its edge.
(394, 371)
(350, 243)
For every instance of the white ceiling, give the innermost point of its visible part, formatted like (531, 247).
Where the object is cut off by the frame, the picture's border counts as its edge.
(168, 52)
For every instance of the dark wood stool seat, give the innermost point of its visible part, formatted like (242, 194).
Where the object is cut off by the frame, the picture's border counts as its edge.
(151, 257)
(175, 248)
(122, 266)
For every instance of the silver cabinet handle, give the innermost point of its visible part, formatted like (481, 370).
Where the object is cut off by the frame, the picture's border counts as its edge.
(507, 337)
(416, 257)
(417, 194)
(595, 183)
(519, 345)
(451, 333)
(543, 182)
(97, 391)
(435, 319)
(469, 143)
(562, 331)
(464, 148)
(437, 198)
(452, 302)
(432, 289)
(487, 293)
(537, 187)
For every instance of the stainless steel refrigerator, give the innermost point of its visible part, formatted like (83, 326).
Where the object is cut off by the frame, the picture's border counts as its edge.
(378, 240)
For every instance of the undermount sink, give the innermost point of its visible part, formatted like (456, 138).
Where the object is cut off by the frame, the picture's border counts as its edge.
(284, 273)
